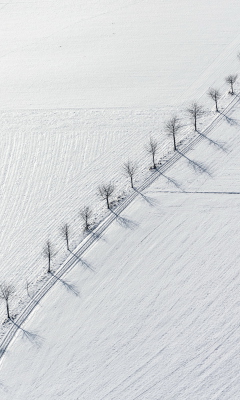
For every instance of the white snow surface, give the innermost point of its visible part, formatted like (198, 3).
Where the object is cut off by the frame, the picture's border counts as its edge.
(153, 313)
(112, 53)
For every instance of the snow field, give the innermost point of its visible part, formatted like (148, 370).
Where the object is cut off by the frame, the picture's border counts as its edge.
(83, 86)
(52, 161)
(102, 54)
(39, 186)
(158, 317)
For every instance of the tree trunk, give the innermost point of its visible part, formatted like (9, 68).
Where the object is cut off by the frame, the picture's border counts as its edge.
(131, 181)
(49, 260)
(7, 306)
(67, 242)
(174, 142)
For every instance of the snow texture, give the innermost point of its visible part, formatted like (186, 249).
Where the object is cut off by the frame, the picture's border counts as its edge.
(150, 310)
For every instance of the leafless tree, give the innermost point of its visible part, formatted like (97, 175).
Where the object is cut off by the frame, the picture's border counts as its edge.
(106, 191)
(130, 170)
(86, 214)
(231, 79)
(48, 253)
(152, 148)
(195, 111)
(5, 292)
(65, 233)
(238, 55)
(215, 95)
(172, 127)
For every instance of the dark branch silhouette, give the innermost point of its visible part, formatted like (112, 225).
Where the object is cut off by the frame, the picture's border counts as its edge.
(231, 79)
(5, 292)
(48, 253)
(152, 148)
(215, 95)
(65, 233)
(86, 214)
(172, 127)
(130, 170)
(195, 111)
(106, 191)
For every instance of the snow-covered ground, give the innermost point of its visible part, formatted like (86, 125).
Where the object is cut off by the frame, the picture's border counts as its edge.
(113, 53)
(156, 314)
(83, 86)
(52, 160)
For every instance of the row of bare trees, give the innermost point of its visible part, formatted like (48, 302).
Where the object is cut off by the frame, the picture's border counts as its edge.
(215, 94)
(105, 191)
(195, 111)
(172, 127)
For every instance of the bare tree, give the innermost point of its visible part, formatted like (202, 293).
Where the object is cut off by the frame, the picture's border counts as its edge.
(152, 148)
(65, 233)
(195, 111)
(231, 79)
(215, 95)
(238, 55)
(172, 127)
(86, 214)
(5, 292)
(48, 253)
(130, 169)
(106, 191)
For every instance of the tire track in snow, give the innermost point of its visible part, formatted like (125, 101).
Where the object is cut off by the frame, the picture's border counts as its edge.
(83, 246)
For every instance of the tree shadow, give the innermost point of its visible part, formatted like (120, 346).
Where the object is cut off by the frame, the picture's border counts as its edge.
(213, 142)
(198, 167)
(125, 222)
(70, 287)
(171, 180)
(96, 235)
(32, 337)
(83, 262)
(231, 121)
(152, 202)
